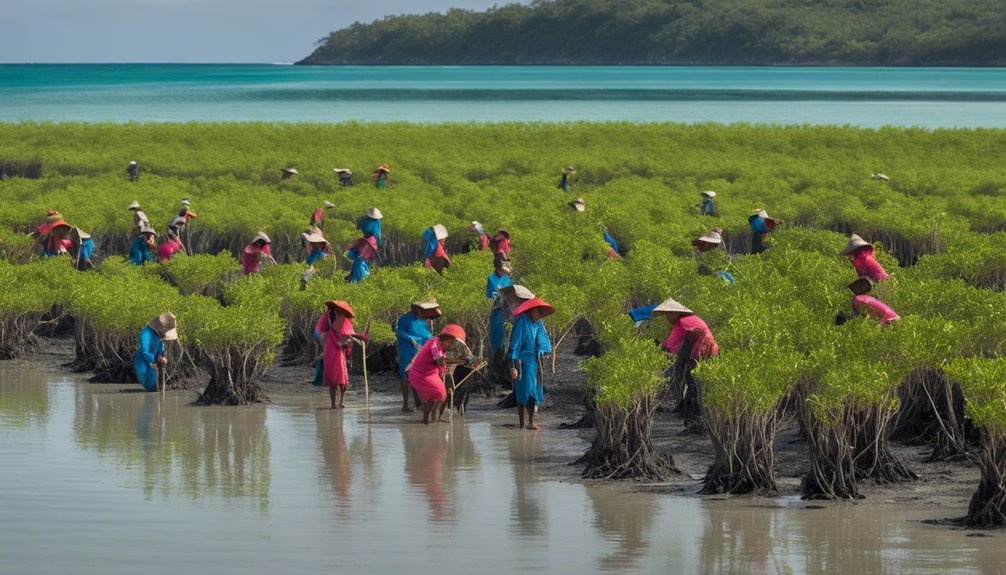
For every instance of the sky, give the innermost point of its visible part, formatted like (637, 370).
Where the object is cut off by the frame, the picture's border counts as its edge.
(219, 31)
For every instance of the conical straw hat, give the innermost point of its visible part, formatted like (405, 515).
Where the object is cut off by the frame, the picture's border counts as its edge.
(134, 206)
(164, 325)
(712, 237)
(341, 305)
(374, 213)
(671, 306)
(709, 194)
(440, 231)
(855, 242)
(861, 285)
(577, 205)
(328, 204)
(262, 236)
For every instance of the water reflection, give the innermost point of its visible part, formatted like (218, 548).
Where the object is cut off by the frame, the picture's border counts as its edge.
(24, 398)
(433, 456)
(336, 455)
(172, 446)
(738, 539)
(527, 515)
(626, 519)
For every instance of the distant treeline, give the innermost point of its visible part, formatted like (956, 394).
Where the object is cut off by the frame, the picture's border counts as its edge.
(648, 32)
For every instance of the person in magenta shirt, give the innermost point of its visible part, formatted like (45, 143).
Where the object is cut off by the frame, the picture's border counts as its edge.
(169, 247)
(335, 332)
(689, 341)
(251, 256)
(866, 305)
(860, 253)
(426, 375)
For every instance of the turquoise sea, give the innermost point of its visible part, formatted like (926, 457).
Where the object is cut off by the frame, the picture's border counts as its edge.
(870, 97)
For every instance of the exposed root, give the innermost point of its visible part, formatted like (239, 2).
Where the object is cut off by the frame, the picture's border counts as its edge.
(622, 448)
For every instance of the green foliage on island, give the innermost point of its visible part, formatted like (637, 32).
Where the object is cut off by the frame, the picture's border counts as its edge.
(683, 32)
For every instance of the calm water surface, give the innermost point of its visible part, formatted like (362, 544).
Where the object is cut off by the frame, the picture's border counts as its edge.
(97, 480)
(928, 97)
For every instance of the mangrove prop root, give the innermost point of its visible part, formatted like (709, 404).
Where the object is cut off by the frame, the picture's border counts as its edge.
(744, 456)
(234, 375)
(932, 412)
(987, 508)
(622, 447)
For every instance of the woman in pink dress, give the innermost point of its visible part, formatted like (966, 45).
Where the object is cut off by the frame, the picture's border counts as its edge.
(428, 368)
(251, 256)
(860, 253)
(867, 305)
(169, 247)
(335, 331)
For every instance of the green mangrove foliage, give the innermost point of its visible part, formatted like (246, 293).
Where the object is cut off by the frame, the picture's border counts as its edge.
(937, 225)
(742, 397)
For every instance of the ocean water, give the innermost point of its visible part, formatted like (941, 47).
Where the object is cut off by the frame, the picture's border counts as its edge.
(868, 97)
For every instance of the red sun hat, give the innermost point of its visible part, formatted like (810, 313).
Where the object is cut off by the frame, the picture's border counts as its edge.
(454, 330)
(342, 306)
(532, 303)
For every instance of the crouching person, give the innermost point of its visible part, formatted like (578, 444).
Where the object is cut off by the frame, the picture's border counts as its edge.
(149, 358)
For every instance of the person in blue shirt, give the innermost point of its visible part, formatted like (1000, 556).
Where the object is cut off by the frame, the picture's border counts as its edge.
(316, 245)
(761, 225)
(412, 330)
(497, 280)
(564, 182)
(707, 203)
(83, 247)
(362, 254)
(370, 225)
(528, 342)
(614, 252)
(149, 357)
(143, 247)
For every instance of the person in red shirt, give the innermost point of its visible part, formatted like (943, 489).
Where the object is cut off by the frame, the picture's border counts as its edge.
(689, 341)
(318, 216)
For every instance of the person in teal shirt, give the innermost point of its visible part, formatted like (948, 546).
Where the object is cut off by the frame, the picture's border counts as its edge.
(412, 330)
(528, 342)
(497, 280)
(143, 246)
(150, 355)
(370, 225)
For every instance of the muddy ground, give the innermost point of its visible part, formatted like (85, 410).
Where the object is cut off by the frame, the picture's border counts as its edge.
(944, 487)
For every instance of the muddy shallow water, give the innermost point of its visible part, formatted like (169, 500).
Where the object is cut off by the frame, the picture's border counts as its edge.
(104, 479)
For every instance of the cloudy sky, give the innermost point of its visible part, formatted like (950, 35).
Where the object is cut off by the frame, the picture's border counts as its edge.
(187, 30)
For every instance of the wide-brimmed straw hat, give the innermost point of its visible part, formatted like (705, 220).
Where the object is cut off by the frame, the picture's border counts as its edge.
(374, 213)
(855, 242)
(383, 168)
(671, 306)
(338, 303)
(760, 213)
(440, 231)
(147, 229)
(861, 285)
(134, 206)
(711, 237)
(577, 205)
(342, 170)
(186, 202)
(81, 234)
(709, 194)
(314, 238)
(59, 224)
(517, 291)
(880, 176)
(535, 302)
(164, 325)
(290, 170)
(262, 236)
(454, 330)
(133, 162)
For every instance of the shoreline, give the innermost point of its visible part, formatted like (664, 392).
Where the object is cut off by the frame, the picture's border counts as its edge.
(943, 489)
